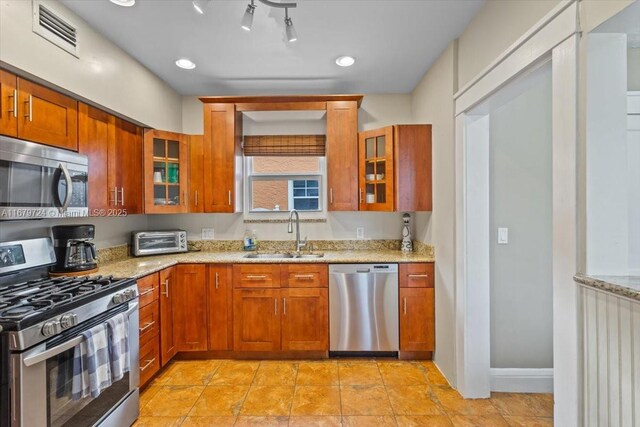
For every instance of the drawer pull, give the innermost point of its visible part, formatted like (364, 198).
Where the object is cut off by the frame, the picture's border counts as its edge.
(262, 277)
(418, 276)
(405, 305)
(275, 306)
(147, 326)
(284, 306)
(217, 280)
(146, 292)
(14, 110)
(149, 363)
(304, 276)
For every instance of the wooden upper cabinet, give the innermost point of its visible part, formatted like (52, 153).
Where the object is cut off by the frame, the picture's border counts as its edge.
(96, 132)
(305, 319)
(127, 176)
(342, 155)
(167, 336)
(8, 104)
(220, 307)
(166, 172)
(190, 308)
(47, 116)
(375, 178)
(256, 319)
(196, 173)
(223, 151)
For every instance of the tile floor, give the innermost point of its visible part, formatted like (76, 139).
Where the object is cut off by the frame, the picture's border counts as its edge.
(341, 392)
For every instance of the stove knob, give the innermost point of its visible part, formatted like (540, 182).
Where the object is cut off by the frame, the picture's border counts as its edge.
(51, 328)
(68, 320)
(129, 294)
(118, 299)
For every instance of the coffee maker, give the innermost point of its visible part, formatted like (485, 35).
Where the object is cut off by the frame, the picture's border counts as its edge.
(75, 254)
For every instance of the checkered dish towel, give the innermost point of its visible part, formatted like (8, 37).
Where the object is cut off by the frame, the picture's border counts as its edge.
(118, 330)
(91, 364)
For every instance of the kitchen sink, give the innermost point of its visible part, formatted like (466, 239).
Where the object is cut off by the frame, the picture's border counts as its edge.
(285, 255)
(309, 255)
(274, 255)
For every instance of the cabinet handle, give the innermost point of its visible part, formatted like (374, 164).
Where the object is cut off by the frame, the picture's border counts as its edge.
(360, 194)
(405, 305)
(184, 198)
(30, 113)
(196, 197)
(275, 306)
(304, 276)
(147, 326)
(166, 288)
(217, 280)
(229, 197)
(145, 292)
(149, 363)
(14, 103)
(331, 195)
(115, 195)
(418, 276)
(121, 196)
(284, 306)
(255, 277)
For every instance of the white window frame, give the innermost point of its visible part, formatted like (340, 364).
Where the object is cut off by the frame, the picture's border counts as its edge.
(321, 176)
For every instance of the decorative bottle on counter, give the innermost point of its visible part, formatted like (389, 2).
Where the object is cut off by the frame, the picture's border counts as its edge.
(407, 244)
(248, 244)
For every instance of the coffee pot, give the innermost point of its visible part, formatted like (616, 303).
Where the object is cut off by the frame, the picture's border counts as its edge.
(73, 248)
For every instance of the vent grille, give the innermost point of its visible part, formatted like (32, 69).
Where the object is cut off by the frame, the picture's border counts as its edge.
(55, 28)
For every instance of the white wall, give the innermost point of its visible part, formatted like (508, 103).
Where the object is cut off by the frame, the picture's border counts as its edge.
(633, 69)
(521, 200)
(103, 74)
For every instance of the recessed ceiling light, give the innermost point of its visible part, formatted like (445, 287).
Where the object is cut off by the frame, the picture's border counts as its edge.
(125, 3)
(345, 61)
(185, 63)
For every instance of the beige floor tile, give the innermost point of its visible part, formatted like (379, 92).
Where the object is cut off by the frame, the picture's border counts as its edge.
(453, 403)
(402, 373)
(276, 373)
(315, 421)
(262, 421)
(434, 376)
(359, 373)
(523, 404)
(368, 421)
(364, 400)
(158, 422)
(235, 373)
(528, 421)
(191, 372)
(172, 401)
(148, 393)
(478, 421)
(223, 400)
(423, 421)
(317, 373)
(316, 400)
(412, 400)
(268, 401)
(208, 422)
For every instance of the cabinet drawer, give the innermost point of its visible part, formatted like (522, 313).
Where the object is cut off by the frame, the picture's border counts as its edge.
(256, 276)
(304, 276)
(149, 360)
(148, 289)
(149, 324)
(418, 275)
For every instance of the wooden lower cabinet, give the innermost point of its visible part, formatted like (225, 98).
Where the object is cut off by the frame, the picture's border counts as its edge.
(189, 307)
(256, 320)
(417, 319)
(305, 319)
(220, 307)
(149, 327)
(167, 336)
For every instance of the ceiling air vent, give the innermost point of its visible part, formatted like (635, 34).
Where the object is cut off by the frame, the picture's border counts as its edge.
(54, 27)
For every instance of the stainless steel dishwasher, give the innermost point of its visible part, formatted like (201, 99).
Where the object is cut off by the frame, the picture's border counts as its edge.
(363, 308)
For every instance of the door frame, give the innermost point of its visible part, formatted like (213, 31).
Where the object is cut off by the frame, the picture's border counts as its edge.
(555, 36)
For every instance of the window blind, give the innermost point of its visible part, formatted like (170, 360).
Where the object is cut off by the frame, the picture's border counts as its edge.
(284, 145)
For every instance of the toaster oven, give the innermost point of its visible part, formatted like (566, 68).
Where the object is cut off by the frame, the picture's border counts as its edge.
(158, 242)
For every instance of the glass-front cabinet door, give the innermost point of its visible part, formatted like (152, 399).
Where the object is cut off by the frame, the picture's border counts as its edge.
(376, 175)
(166, 158)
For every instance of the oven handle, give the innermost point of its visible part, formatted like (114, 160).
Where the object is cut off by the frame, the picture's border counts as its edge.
(40, 357)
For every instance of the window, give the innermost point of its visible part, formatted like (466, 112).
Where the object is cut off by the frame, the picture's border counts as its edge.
(282, 183)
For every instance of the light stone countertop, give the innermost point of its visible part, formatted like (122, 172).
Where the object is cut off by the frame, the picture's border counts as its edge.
(142, 266)
(626, 286)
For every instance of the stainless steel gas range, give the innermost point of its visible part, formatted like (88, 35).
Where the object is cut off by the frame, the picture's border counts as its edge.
(42, 320)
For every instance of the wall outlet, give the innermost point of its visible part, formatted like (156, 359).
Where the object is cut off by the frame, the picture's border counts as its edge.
(359, 232)
(503, 236)
(208, 234)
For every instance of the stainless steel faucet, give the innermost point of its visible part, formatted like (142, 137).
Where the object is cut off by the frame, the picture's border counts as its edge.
(299, 244)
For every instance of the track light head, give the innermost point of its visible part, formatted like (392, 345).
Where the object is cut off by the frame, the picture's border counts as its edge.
(292, 35)
(247, 19)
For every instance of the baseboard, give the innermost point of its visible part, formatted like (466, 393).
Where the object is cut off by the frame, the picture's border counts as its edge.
(522, 380)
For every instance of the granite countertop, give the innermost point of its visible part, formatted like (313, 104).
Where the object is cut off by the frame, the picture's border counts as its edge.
(142, 266)
(626, 286)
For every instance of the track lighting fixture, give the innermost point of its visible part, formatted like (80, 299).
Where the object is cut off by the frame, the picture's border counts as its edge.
(197, 5)
(290, 31)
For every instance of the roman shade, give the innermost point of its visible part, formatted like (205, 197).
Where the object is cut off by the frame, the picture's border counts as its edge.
(284, 145)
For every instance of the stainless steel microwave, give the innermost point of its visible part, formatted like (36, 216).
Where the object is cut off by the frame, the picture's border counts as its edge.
(158, 242)
(37, 181)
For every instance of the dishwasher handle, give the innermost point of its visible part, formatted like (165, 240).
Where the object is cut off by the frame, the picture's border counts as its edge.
(363, 270)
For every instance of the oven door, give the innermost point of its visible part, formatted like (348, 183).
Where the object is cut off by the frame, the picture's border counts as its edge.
(42, 378)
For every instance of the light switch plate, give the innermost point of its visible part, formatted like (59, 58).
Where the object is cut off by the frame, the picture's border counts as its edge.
(359, 232)
(503, 236)
(208, 234)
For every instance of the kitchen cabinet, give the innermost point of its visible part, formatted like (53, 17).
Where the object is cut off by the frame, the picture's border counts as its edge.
(166, 175)
(126, 153)
(256, 319)
(417, 307)
(196, 173)
(342, 155)
(167, 335)
(395, 169)
(189, 304)
(219, 298)
(223, 154)
(35, 113)
(305, 319)
(149, 329)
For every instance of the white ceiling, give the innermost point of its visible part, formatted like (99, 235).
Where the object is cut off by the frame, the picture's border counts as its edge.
(394, 43)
